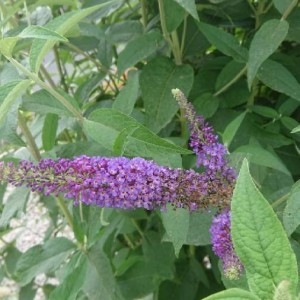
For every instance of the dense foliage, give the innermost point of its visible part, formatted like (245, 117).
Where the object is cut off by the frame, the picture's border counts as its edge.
(93, 80)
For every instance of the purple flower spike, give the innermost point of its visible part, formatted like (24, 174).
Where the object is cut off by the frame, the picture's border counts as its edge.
(210, 153)
(116, 182)
(222, 245)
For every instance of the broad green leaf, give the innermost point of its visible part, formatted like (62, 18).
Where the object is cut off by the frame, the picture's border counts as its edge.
(176, 224)
(39, 32)
(228, 73)
(7, 45)
(126, 99)
(9, 93)
(260, 240)
(291, 212)
(206, 105)
(190, 7)
(139, 49)
(265, 42)
(262, 157)
(157, 80)
(100, 279)
(15, 204)
(296, 129)
(289, 123)
(105, 125)
(232, 128)
(71, 285)
(49, 131)
(174, 14)
(43, 259)
(42, 102)
(224, 42)
(233, 294)
(282, 5)
(278, 78)
(61, 25)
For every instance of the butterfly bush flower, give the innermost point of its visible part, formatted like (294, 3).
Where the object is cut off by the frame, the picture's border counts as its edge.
(222, 245)
(117, 182)
(211, 154)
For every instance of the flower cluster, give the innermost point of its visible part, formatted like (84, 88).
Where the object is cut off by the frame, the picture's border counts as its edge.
(115, 182)
(210, 153)
(222, 245)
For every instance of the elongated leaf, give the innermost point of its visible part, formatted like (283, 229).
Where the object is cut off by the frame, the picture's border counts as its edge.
(9, 93)
(126, 99)
(224, 42)
(232, 294)
(105, 125)
(157, 80)
(265, 42)
(49, 131)
(232, 129)
(39, 32)
(7, 45)
(61, 25)
(16, 202)
(278, 78)
(43, 259)
(139, 49)
(190, 7)
(262, 157)
(260, 240)
(176, 223)
(174, 14)
(291, 212)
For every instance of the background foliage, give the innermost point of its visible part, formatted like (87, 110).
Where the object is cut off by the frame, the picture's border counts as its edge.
(95, 78)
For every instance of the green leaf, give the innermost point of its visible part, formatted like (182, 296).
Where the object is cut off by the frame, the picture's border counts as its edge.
(174, 14)
(139, 49)
(206, 105)
(262, 157)
(7, 45)
(282, 5)
(260, 240)
(72, 284)
(39, 32)
(176, 224)
(265, 42)
(232, 294)
(296, 129)
(126, 99)
(100, 279)
(278, 78)
(291, 212)
(265, 111)
(49, 131)
(43, 259)
(232, 128)
(9, 92)
(105, 125)
(157, 80)
(15, 204)
(224, 42)
(42, 102)
(61, 25)
(190, 7)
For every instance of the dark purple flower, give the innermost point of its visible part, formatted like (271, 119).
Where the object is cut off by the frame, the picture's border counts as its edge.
(116, 182)
(210, 153)
(222, 245)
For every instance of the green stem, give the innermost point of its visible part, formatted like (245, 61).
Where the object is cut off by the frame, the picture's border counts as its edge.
(60, 69)
(183, 34)
(163, 23)
(176, 48)
(289, 9)
(280, 200)
(63, 207)
(32, 147)
(231, 82)
(144, 13)
(77, 114)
